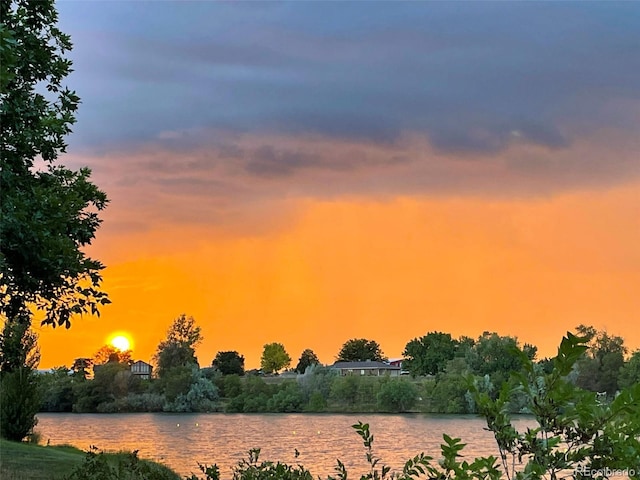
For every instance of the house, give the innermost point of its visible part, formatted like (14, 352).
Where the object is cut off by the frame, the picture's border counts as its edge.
(141, 370)
(396, 362)
(368, 368)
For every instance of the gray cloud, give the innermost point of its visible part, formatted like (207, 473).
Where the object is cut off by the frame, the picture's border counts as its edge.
(271, 161)
(267, 161)
(472, 78)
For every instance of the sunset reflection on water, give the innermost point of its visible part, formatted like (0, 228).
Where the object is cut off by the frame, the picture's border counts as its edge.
(181, 441)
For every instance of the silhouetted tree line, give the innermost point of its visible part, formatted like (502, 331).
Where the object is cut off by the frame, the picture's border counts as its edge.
(439, 370)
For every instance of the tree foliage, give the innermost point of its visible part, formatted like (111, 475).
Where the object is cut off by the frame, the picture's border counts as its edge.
(345, 389)
(599, 367)
(307, 358)
(19, 394)
(112, 381)
(18, 347)
(397, 395)
(82, 367)
(428, 355)
(447, 393)
(317, 380)
(231, 386)
(274, 358)
(178, 349)
(115, 378)
(574, 434)
(19, 403)
(229, 363)
(57, 390)
(630, 371)
(360, 350)
(184, 331)
(254, 469)
(48, 212)
(575, 431)
(199, 395)
(176, 381)
(498, 356)
(288, 398)
(108, 353)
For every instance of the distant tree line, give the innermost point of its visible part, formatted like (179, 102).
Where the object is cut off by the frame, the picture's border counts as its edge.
(439, 367)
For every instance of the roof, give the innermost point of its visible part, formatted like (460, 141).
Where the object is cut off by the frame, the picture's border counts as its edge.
(140, 361)
(369, 364)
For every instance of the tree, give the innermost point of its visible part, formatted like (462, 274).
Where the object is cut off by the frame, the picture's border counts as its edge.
(57, 390)
(307, 358)
(109, 353)
(111, 381)
(82, 367)
(48, 212)
(229, 363)
(397, 395)
(198, 394)
(19, 403)
(177, 363)
(19, 393)
(600, 366)
(360, 350)
(184, 331)
(288, 398)
(115, 378)
(178, 349)
(18, 347)
(449, 393)
(498, 356)
(231, 386)
(176, 381)
(429, 355)
(317, 380)
(345, 389)
(630, 371)
(274, 358)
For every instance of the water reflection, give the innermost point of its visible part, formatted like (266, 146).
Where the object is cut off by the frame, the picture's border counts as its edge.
(183, 440)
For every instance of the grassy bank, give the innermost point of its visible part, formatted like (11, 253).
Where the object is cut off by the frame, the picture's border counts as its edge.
(22, 461)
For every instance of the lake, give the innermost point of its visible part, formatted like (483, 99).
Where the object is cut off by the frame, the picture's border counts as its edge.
(182, 440)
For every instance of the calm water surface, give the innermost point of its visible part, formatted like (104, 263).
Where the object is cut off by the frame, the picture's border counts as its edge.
(182, 440)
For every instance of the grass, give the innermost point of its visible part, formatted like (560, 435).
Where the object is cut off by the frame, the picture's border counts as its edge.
(23, 461)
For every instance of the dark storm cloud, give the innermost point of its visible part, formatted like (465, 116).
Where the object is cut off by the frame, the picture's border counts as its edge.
(472, 78)
(271, 161)
(268, 161)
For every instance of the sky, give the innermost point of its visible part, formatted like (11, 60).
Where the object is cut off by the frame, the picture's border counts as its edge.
(307, 173)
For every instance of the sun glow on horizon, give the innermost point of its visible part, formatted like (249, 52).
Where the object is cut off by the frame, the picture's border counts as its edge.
(121, 342)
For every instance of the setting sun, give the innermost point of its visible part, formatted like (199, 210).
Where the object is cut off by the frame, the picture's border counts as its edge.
(121, 342)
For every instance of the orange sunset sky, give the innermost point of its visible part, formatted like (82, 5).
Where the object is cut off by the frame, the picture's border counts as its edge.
(310, 173)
